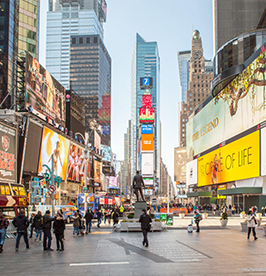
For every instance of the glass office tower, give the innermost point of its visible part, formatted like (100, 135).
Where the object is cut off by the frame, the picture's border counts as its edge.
(183, 66)
(145, 63)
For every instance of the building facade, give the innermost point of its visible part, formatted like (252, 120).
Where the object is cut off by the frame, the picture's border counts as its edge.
(66, 18)
(90, 77)
(145, 63)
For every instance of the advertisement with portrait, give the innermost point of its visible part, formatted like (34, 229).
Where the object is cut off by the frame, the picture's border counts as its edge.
(97, 172)
(97, 140)
(263, 151)
(237, 160)
(58, 146)
(147, 143)
(44, 93)
(147, 192)
(107, 153)
(192, 172)
(180, 157)
(235, 109)
(8, 154)
(147, 164)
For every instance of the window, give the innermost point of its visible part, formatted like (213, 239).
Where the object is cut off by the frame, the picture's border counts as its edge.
(198, 100)
(185, 109)
(198, 77)
(195, 70)
(95, 40)
(183, 135)
(73, 40)
(194, 85)
(88, 40)
(81, 40)
(206, 84)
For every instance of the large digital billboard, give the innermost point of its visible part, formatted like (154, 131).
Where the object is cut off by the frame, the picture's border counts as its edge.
(107, 153)
(237, 160)
(235, 109)
(180, 157)
(97, 140)
(146, 129)
(58, 146)
(263, 151)
(192, 172)
(147, 101)
(147, 164)
(97, 172)
(146, 115)
(147, 143)
(44, 93)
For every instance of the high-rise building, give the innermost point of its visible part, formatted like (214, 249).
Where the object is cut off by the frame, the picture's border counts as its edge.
(66, 18)
(200, 77)
(90, 77)
(232, 17)
(183, 66)
(145, 63)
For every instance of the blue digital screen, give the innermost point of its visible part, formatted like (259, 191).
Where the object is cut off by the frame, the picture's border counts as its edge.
(146, 129)
(146, 81)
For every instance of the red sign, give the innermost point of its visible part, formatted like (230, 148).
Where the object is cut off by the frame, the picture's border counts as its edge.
(52, 188)
(147, 101)
(146, 115)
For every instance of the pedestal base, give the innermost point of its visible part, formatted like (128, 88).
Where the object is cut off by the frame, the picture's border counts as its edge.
(139, 205)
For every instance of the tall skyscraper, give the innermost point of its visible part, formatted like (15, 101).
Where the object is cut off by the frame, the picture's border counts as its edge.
(145, 63)
(232, 17)
(66, 18)
(183, 66)
(90, 77)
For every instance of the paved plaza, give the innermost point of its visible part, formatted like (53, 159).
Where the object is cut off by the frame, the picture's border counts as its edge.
(220, 251)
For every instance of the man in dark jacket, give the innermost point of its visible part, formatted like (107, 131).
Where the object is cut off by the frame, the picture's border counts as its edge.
(138, 183)
(99, 217)
(145, 221)
(38, 224)
(3, 226)
(21, 223)
(59, 228)
(47, 225)
(88, 218)
(115, 217)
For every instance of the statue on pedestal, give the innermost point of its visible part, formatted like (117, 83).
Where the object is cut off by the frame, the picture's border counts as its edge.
(138, 183)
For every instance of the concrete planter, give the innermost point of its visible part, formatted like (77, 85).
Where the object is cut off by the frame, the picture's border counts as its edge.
(244, 226)
(223, 222)
(124, 226)
(181, 215)
(156, 226)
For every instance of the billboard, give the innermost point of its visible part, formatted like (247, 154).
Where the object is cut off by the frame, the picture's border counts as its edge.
(263, 151)
(147, 143)
(146, 129)
(8, 154)
(148, 181)
(106, 150)
(147, 164)
(235, 109)
(97, 172)
(180, 157)
(147, 101)
(237, 160)
(113, 181)
(146, 115)
(97, 140)
(192, 172)
(114, 163)
(44, 94)
(56, 144)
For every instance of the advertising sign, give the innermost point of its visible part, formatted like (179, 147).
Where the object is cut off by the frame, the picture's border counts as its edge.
(8, 156)
(147, 101)
(44, 93)
(146, 83)
(148, 181)
(106, 152)
(146, 129)
(114, 163)
(237, 160)
(235, 109)
(147, 167)
(113, 182)
(97, 172)
(147, 142)
(180, 158)
(192, 172)
(221, 187)
(263, 151)
(54, 143)
(146, 115)
(97, 140)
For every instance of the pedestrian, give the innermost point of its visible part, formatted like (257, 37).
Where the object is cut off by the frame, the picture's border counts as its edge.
(31, 225)
(38, 224)
(59, 228)
(21, 223)
(145, 221)
(251, 220)
(262, 211)
(88, 219)
(115, 217)
(197, 218)
(109, 216)
(47, 225)
(76, 224)
(99, 218)
(3, 226)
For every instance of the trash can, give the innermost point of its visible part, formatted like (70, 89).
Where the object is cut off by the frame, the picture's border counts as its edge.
(163, 217)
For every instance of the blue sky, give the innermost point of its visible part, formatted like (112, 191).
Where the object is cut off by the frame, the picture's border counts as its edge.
(170, 23)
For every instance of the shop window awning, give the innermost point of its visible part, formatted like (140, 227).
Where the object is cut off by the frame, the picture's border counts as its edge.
(199, 194)
(240, 191)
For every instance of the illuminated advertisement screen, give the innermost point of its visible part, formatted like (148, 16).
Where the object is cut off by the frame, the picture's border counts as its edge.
(148, 181)
(263, 151)
(147, 164)
(97, 172)
(146, 129)
(106, 150)
(44, 93)
(97, 140)
(237, 160)
(192, 172)
(58, 146)
(180, 158)
(147, 143)
(147, 101)
(238, 107)
(146, 115)
(113, 181)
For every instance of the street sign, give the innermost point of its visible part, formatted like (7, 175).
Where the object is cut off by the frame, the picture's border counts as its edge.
(52, 188)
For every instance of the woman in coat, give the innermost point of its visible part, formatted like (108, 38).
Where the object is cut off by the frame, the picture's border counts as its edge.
(76, 224)
(251, 220)
(59, 228)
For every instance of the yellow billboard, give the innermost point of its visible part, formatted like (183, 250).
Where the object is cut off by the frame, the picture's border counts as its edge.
(237, 160)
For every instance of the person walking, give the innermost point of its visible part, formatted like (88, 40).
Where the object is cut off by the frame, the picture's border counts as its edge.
(59, 228)
(31, 225)
(3, 226)
(197, 218)
(115, 217)
(47, 225)
(99, 218)
(21, 223)
(138, 183)
(88, 219)
(38, 224)
(251, 220)
(76, 224)
(145, 221)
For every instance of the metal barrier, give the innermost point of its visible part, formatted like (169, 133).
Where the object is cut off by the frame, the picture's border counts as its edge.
(11, 231)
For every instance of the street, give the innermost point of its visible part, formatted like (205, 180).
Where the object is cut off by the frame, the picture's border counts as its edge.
(220, 251)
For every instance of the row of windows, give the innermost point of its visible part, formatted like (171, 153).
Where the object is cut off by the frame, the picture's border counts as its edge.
(27, 33)
(28, 20)
(28, 7)
(81, 40)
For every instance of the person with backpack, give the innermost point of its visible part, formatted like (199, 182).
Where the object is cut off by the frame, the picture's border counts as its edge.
(59, 228)
(197, 219)
(3, 226)
(38, 224)
(76, 224)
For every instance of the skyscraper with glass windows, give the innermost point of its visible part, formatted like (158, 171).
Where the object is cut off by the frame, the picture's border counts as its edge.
(66, 18)
(183, 66)
(145, 63)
